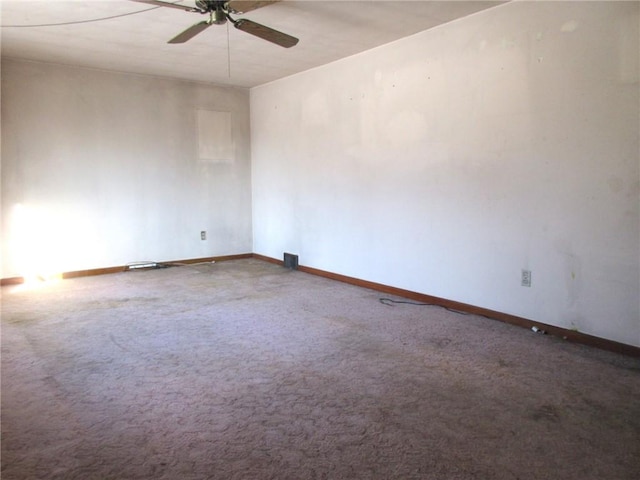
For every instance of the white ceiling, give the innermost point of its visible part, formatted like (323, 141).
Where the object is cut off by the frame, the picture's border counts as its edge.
(328, 31)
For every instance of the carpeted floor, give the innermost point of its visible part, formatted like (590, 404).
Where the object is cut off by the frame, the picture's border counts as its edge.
(246, 370)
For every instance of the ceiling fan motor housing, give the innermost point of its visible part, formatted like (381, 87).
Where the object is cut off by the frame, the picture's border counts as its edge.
(206, 5)
(216, 8)
(218, 17)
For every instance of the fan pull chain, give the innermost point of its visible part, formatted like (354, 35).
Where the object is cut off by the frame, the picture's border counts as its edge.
(228, 52)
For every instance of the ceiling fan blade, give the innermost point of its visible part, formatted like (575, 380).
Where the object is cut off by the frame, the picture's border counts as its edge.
(190, 32)
(159, 3)
(266, 33)
(244, 6)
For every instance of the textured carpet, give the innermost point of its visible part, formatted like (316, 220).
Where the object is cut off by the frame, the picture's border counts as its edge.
(246, 370)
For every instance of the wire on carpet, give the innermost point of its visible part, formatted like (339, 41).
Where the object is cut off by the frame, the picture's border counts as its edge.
(152, 265)
(145, 265)
(391, 303)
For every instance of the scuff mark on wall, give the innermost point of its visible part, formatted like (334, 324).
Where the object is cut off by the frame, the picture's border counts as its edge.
(569, 26)
(573, 269)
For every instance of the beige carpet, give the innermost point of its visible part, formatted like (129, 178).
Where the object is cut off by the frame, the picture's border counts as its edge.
(246, 370)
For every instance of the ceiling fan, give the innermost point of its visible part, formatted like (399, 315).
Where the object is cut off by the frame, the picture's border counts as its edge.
(220, 12)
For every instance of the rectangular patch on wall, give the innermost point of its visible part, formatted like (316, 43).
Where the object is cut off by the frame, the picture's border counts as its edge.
(215, 139)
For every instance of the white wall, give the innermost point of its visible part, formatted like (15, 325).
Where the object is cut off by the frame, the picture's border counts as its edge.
(447, 162)
(102, 169)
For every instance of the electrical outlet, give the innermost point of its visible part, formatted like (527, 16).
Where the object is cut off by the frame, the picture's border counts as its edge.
(203, 235)
(526, 278)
